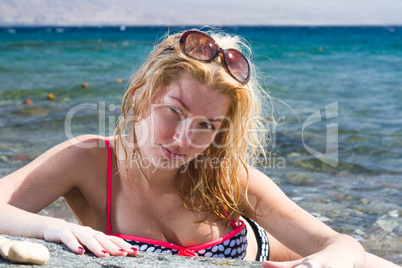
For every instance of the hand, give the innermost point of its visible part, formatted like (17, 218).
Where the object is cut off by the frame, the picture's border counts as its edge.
(318, 260)
(302, 263)
(75, 237)
(322, 259)
(372, 262)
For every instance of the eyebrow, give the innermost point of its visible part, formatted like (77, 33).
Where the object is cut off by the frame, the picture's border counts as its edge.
(181, 103)
(185, 106)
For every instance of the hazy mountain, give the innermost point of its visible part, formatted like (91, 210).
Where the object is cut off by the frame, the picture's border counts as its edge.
(205, 12)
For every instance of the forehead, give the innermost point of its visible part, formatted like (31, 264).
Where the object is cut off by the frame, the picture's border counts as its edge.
(197, 99)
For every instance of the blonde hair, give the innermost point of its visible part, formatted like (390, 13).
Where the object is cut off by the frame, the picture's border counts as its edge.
(205, 188)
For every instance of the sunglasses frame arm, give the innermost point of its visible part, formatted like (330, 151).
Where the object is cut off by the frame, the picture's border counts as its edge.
(172, 45)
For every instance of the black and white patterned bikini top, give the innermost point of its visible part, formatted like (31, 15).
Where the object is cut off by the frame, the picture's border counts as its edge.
(232, 245)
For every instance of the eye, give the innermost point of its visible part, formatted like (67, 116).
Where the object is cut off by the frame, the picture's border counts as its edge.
(176, 110)
(207, 125)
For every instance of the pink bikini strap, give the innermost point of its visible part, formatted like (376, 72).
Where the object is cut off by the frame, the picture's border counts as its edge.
(232, 222)
(109, 185)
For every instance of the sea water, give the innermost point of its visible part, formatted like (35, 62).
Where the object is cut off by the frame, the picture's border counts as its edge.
(336, 95)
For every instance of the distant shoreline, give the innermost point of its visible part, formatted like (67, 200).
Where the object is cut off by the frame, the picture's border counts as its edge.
(213, 26)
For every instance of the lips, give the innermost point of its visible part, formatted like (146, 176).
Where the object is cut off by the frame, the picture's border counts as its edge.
(171, 155)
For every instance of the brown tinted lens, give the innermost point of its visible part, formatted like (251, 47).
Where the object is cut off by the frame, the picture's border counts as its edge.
(200, 46)
(237, 65)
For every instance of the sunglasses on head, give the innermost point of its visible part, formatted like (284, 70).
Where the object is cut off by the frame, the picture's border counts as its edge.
(200, 46)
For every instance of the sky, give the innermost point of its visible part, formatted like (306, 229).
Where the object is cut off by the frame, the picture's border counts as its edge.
(203, 12)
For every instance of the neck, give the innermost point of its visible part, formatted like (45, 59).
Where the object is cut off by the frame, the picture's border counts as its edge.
(155, 177)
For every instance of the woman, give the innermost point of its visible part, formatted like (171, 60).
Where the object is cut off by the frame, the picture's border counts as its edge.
(177, 177)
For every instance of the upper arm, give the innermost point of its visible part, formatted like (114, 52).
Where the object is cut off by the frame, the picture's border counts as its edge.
(282, 218)
(51, 175)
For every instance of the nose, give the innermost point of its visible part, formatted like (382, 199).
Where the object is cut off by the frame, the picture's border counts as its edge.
(181, 140)
(181, 135)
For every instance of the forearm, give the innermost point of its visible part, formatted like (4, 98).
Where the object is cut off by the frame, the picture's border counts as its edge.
(18, 222)
(348, 247)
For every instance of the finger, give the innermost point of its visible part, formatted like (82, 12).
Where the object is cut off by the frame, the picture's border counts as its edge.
(72, 243)
(92, 244)
(285, 264)
(110, 246)
(131, 250)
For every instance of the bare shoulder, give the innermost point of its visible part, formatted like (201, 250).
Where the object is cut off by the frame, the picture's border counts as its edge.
(53, 174)
(84, 152)
(255, 180)
(72, 158)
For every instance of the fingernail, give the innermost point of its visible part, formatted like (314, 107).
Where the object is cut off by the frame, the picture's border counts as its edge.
(122, 250)
(134, 249)
(81, 249)
(104, 251)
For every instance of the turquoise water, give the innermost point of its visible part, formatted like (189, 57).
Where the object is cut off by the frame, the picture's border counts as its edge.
(356, 72)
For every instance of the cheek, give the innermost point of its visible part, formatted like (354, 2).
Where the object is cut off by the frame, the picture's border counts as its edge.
(202, 142)
(159, 122)
(161, 126)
